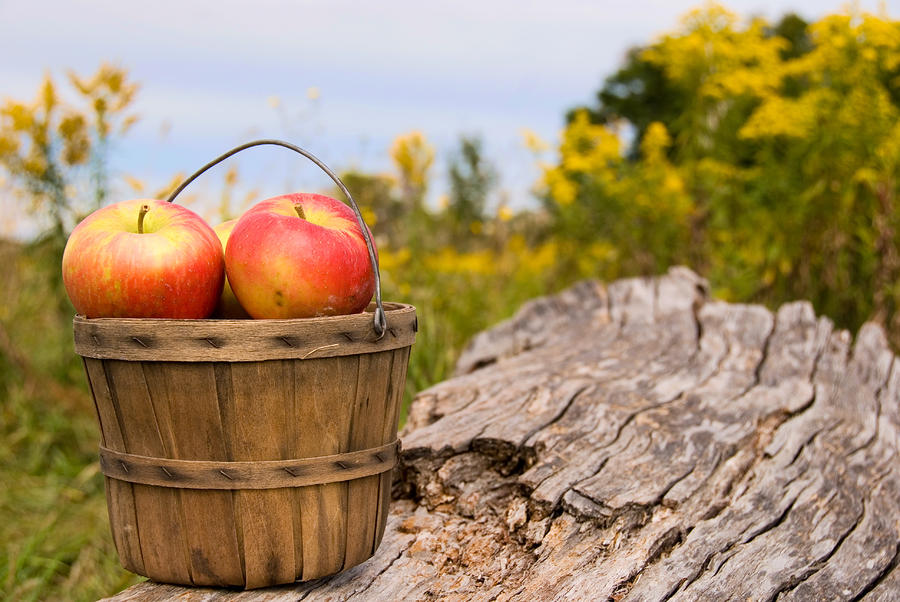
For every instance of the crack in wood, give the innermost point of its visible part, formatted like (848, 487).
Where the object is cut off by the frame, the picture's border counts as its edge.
(881, 576)
(560, 415)
(773, 524)
(757, 372)
(878, 394)
(817, 565)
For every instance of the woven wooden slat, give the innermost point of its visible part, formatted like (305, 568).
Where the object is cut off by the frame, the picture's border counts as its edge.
(263, 458)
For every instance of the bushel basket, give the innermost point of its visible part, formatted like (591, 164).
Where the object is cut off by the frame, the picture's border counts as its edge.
(248, 453)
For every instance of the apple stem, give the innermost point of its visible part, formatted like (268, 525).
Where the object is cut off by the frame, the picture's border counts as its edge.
(299, 209)
(144, 209)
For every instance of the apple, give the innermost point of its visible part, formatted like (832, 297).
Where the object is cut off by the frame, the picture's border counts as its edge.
(297, 256)
(228, 306)
(143, 258)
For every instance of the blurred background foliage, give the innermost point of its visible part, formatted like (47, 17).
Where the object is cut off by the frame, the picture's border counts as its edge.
(765, 156)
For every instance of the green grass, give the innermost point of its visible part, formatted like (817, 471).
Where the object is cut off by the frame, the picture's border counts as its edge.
(54, 525)
(55, 542)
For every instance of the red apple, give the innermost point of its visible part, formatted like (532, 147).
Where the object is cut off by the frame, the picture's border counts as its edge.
(229, 306)
(299, 255)
(143, 258)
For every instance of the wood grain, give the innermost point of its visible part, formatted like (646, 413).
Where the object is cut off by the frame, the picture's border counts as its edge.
(119, 494)
(193, 430)
(389, 429)
(323, 393)
(367, 416)
(261, 398)
(640, 441)
(160, 526)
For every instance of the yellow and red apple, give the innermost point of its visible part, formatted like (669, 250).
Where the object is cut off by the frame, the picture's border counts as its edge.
(228, 306)
(299, 255)
(143, 258)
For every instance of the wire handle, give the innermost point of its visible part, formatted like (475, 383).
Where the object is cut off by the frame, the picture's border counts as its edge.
(380, 320)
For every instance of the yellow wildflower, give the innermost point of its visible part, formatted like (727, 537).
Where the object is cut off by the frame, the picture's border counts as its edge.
(22, 117)
(48, 94)
(533, 141)
(390, 260)
(449, 260)
(369, 216)
(562, 190)
(655, 142)
(413, 156)
(135, 184)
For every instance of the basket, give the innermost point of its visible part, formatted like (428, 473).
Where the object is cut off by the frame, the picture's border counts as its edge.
(248, 453)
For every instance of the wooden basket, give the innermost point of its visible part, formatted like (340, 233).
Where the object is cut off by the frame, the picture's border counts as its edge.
(249, 452)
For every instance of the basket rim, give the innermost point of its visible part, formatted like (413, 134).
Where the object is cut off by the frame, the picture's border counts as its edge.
(211, 340)
(390, 308)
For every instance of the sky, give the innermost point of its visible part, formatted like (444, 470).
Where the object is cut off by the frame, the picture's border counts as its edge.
(341, 78)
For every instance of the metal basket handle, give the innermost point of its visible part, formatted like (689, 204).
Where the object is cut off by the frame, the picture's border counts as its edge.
(380, 320)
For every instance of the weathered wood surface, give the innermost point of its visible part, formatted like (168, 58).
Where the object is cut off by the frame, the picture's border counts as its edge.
(642, 442)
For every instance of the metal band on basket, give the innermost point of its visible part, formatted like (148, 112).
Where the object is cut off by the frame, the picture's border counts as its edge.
(269, 474)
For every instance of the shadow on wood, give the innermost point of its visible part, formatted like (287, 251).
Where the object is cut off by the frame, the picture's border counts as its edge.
(639, 441)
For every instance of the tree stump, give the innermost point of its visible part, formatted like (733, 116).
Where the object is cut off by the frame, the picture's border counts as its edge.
(639, 441)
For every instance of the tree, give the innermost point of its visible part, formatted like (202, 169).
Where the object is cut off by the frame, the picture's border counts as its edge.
(640, 92)
(55, 153)
(413, 157)
(380, 204)
(471, 181)
(776, 165)
(45, 144)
